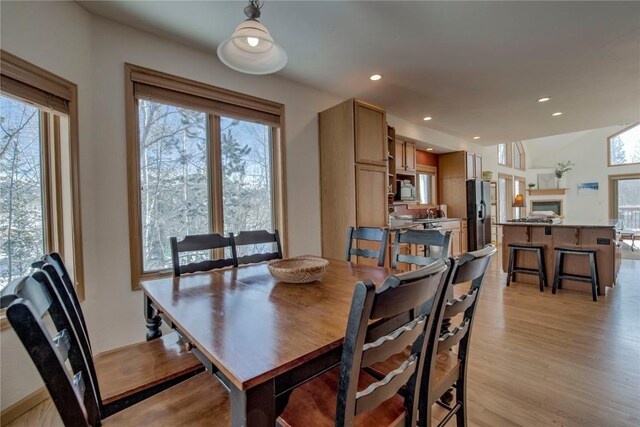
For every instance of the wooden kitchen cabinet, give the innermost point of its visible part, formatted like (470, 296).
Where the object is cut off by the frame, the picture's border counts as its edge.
(453, 171)
(458, 238)
(474, 166)
(370, 134)
(405, 156)
(463, 236)
(354, 176)
(371, 196)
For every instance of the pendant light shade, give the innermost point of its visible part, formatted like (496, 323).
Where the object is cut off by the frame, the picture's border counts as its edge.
(251, 49)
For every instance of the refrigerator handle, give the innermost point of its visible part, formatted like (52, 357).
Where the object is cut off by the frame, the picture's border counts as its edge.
(483, 210)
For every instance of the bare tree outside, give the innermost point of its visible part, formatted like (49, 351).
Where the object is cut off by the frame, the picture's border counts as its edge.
(625, 147)
(247, 179)
(173, 178)
(175, 182)
(21, 202)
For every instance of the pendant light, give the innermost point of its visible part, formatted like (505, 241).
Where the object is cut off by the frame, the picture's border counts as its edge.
(251, 49)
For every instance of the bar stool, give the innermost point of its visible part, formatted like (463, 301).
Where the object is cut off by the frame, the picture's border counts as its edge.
(560, 275)
(541, 271)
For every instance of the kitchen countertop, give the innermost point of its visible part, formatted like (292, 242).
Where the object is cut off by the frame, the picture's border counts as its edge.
(570, 223)
(402, 224)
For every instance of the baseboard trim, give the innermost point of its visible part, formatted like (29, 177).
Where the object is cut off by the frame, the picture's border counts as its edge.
(23, 405)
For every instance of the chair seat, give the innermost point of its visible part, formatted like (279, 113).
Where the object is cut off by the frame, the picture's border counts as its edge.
(314, 404)
(447, 372)
(137, 367)
(447, 369)
(198, 401)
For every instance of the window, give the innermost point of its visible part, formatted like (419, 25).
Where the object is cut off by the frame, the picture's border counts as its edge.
(505, 200)
(504, 154)
(624, 146)
(205, 160)
(39, 193)
(624, 202)
(518, 156)
(22, 220)
(426, 184)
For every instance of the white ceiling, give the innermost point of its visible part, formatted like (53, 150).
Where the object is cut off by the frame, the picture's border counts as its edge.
(476, 67)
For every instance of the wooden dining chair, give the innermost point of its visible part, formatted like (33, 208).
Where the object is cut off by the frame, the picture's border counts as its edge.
(76, 394)
(359, 398)
(436, 245)
(370, 234)
(258, 237)
(202, 242)
(449, 367)
(126, 374)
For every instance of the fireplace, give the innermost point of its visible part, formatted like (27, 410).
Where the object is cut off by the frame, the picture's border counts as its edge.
(547, 205)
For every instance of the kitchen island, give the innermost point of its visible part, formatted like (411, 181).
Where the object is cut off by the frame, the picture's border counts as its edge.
(600, 236)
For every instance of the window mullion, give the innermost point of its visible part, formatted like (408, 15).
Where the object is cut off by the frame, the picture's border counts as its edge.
(56, 180)
(216, 214)
(47, 185)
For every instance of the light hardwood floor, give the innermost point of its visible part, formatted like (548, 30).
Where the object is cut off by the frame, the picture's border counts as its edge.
(539, 359)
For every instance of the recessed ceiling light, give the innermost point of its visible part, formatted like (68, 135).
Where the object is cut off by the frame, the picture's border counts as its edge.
(476, 137)
(557, 114)
(429, 149)
(426, 119)
(545, 99)
(375, 77)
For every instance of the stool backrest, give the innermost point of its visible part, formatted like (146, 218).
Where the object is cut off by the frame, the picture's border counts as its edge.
(258, 237)
(75, 393)
(370, 234)
(436, 242)
(202, 242)
(396, 299)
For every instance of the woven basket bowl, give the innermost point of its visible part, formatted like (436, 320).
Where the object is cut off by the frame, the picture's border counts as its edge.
(301, 269)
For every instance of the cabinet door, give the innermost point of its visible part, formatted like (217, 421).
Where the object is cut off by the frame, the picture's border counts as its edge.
(370, 134)
(399, 156)
(478, 166)
(455, 242)
(463, 239)
(410, 156)
(470, 165)
(371, 196)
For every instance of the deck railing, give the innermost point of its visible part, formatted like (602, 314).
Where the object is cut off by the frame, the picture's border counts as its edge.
(629, 216)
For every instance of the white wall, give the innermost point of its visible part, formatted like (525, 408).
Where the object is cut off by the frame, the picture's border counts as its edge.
(91, 51)
(588, 150)
(57, 37)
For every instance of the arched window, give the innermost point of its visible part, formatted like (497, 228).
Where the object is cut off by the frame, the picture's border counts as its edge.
(624, 146)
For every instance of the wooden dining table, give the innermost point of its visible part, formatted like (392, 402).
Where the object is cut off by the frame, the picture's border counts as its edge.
(259, 336)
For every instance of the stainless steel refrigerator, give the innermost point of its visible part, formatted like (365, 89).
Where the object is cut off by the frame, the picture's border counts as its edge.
(478, 214)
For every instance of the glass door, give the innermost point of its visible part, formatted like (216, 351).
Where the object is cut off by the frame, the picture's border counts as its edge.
(625, 200)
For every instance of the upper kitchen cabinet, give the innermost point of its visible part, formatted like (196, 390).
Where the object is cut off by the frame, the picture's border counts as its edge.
(370, 133)
(453, 171)
(474, 166)
(405, 157)
(354, 177)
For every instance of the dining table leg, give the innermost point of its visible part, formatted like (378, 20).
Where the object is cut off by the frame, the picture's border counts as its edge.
(153, 320)
(255, 406)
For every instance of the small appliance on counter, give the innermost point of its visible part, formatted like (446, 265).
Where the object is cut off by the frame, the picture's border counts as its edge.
(406, 191)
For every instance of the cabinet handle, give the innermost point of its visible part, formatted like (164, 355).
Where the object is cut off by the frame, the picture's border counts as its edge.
(528, 234)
